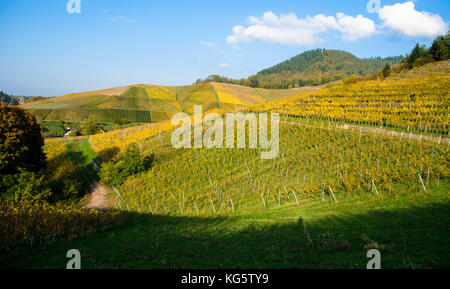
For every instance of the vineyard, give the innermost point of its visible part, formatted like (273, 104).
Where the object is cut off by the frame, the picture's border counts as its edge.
(144, 103)
(361, 165)
(418, 104)
(34, 225)
(441, 67)
(331, 194)
(324, 163)
(249, 139)
(120, 139)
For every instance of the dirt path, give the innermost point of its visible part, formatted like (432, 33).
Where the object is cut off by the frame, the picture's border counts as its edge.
(99, 200)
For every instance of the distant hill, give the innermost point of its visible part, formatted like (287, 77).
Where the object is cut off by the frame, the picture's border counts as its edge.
(331, 60)
(320, 66)
(311, 68)
(145, 103)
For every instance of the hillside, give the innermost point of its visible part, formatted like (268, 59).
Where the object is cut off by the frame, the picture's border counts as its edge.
(330, 60)
(311, 68)
(312, 158)
(413, 101)
(319, 66)
(144, 103)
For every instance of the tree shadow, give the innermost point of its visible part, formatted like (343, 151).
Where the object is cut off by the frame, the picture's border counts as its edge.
(407, 238)
(108, 154)
(70, 182)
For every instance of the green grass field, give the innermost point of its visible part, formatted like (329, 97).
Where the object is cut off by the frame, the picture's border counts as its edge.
(411, 231)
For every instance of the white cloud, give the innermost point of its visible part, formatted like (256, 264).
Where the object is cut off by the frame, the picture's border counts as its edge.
(224, 65)
(405, 19)
(289, 30)
(121, 19)
(354, 28)
(211, 45)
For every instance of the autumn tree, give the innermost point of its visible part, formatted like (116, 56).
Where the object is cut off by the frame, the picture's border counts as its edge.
(21, 141)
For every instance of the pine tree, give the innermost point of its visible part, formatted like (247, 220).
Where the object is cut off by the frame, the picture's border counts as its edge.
(387, 70)
(440, 49)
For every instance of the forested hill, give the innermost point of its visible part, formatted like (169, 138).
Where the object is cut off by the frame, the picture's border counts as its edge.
(319, 66)
(322, 60)
(311, 68)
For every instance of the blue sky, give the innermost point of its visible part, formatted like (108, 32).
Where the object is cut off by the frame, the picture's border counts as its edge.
(47, 51)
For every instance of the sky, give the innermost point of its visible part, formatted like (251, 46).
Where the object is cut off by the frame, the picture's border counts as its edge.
(49, 49)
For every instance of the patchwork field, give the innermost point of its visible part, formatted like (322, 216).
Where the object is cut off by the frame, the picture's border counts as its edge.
(145, 103)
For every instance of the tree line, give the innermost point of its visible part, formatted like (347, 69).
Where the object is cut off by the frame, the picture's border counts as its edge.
(16, 100)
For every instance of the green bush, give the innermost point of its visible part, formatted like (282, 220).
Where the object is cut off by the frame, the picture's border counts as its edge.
(24, 186)
(131, 163)
(110, 174)
(350, 80)
(90, 127)
(74, 133)
(120, 121)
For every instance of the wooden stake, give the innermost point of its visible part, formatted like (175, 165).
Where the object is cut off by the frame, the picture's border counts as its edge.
(420, 178)
(164, 205)
(296, 200)
(376, 191)
(214, 208)
(264, 202)
(180, 208)
(331, 190)
(195, 205)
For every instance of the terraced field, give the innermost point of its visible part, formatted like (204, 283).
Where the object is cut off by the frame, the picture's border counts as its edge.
(145, 103)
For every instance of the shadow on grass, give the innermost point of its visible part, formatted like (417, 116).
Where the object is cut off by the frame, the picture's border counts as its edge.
(406, 238)
(108, 154)
(65, 179)
(84, 165)
(71, 174)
